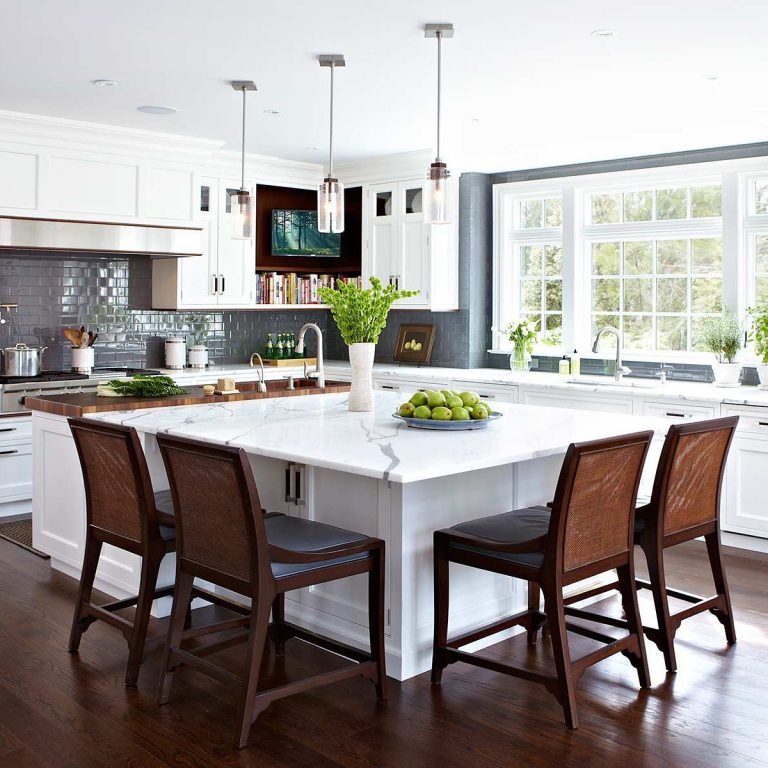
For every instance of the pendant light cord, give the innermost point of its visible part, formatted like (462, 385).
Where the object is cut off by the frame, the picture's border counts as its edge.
(242, 148)
(439, 88)
(330, 143)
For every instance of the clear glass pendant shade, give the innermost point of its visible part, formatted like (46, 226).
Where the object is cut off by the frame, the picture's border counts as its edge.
(241, 207)
(437, 194)
(330, 206)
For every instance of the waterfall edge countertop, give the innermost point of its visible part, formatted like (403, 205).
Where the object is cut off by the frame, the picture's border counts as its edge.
(320, 431)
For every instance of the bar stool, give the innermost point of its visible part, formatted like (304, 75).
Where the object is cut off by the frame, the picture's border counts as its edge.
(121, 510)
(587, 531)
(223, 540)
(685, 504)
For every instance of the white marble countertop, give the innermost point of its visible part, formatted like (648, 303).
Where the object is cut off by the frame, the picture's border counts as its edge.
(318, 430)
(648, 389)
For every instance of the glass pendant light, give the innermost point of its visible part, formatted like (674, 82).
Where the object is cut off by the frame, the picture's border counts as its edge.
(436, 210)
(241, 203)
(330, 194)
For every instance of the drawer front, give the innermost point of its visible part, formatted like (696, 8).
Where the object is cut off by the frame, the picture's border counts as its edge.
(392, 384)
(15, 429)
(500, 392)
(15, 471)
(752, 421)
(677, 411)
(591, 402)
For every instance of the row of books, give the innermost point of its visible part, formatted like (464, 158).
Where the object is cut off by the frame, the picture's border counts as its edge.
(292, 288)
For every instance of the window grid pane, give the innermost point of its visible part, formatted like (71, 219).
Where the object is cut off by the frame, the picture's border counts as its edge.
(657, 291)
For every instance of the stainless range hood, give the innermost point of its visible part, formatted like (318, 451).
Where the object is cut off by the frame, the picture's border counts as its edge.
(17, 232)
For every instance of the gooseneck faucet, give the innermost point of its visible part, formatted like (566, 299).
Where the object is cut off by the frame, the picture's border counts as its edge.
(319, 372)
(620, 369)
(261, 386)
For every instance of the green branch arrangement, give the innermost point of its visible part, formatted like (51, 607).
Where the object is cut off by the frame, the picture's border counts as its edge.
(361, 313)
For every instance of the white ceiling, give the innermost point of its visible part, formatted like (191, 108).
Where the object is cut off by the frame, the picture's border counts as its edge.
(525, 84)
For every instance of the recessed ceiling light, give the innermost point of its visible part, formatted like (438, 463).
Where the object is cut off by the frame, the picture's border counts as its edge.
(104, 83)
(475, 119)
(711, 78)
(314, 149)
(602, 34)
(155, 110)
(272, 112)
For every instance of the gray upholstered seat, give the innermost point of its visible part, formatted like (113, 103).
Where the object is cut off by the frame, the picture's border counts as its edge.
(512, 527)
(299, 535)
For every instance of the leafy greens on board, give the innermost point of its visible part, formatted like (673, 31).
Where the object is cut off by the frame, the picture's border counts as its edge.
(142, 385)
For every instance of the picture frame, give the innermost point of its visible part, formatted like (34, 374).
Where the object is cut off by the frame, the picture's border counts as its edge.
(414, 344)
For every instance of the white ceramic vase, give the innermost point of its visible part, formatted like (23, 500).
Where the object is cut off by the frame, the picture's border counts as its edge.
(726, 374)
(361, 361)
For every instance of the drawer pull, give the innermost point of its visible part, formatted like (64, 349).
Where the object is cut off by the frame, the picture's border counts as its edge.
(677, 415)
(388, 386)
(7, 453)
(289, 498)
(487, 397)
(762, 423)
(8, 429)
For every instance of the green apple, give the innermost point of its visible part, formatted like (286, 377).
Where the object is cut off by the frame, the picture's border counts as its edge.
(469, 398)
(422, 412)
(441, 413)
(435, 399)
(479, 412)
(420, 398)
(407, 409)
(459, 414)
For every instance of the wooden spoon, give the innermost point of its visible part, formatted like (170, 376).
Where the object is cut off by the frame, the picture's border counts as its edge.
(91, 338)
(72, 335)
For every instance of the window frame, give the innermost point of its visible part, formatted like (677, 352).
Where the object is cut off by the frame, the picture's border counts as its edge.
(736, 227)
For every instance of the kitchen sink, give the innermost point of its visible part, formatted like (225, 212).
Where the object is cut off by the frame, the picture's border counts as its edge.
(281, 386)
(605, 381)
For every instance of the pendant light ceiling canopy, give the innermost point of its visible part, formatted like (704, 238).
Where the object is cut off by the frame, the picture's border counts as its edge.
(241, 203)
(437, 190)
(330, 194)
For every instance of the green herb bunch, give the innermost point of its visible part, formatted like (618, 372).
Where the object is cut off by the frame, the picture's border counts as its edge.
(361, 313)
(147, 386)
(760, 331)
(722, 335)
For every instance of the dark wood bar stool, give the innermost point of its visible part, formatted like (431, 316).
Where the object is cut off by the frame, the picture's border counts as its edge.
(223, 539)
(685, 504)
(587, 531)
(121, 510)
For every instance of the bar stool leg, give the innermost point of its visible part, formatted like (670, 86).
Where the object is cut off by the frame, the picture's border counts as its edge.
(534, 604)
(632, 614)
(441, 587)
(182, 596)
(150, 567)
(664, 637)
(725, 614)
(81, 622)
(278, 624)
(553, 603)
(376, 620)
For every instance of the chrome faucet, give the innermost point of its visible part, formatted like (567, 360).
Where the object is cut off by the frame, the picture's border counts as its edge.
(262, 385)
(620, 370)
(319, 372)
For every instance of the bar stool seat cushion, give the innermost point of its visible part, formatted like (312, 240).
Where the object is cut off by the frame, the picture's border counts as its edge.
(299, 535)
(513, 527)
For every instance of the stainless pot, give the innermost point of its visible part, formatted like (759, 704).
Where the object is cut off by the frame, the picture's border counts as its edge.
(22, 360)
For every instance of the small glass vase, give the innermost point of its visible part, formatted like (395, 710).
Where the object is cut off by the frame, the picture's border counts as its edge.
(520, 360)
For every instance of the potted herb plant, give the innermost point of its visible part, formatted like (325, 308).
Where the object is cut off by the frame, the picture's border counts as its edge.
(722, 335)
(361, 315)
(760, 335)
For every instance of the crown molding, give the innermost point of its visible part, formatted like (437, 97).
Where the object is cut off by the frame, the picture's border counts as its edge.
(266, 169)
(372, 170)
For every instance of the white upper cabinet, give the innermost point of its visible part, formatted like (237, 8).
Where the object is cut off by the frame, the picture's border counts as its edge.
(400, 249)
(18, 181)
(224, 276)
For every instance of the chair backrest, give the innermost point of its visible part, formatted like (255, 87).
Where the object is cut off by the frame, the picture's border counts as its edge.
(594, 506)
(686, 491)
(118, 489)
(219, 527)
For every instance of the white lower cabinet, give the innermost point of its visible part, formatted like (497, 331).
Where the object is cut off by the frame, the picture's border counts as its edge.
(15, 465)
(676, 411)
(589, 401)
(407, 386)
(502, 393)
(744, 509)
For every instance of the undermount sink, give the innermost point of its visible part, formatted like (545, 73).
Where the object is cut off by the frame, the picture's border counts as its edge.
(605, 381)
(281, 385)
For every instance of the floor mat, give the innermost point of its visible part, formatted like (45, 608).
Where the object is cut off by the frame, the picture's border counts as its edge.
(19, 532)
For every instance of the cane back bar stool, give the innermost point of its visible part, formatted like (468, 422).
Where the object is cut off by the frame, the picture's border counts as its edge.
(685, 504)
(121, 510)
(587, 531)
(223, 539)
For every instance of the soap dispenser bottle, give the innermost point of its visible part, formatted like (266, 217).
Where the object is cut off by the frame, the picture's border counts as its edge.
(575, 364)
(565, 366)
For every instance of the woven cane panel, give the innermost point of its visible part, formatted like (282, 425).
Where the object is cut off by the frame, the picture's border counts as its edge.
(694, 481)
(597, 518)
(213, 517)
(111, 484)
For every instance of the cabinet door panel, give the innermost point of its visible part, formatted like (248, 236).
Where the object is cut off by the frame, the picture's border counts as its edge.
(593, 402)
(197, 272)
(745, 509)
(236, 258)
(18, 171)
(412, 260)
(91, 186)
(169, 194)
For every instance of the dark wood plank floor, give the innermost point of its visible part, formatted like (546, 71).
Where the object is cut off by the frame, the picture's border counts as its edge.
(61, 711)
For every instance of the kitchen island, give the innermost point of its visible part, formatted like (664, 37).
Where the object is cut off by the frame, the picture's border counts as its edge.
(369, 472)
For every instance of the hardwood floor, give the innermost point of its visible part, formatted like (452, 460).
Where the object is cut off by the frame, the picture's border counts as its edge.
(61, 711)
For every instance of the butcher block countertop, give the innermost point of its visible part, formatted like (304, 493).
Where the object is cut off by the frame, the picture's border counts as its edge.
(80, 404)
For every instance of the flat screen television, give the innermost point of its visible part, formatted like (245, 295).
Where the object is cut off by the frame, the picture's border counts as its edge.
(295, 233)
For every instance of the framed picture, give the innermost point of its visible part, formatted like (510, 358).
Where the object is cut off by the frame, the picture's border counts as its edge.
(414, 343)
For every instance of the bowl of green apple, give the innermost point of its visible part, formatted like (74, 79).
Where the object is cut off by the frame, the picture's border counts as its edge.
(446, 410)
